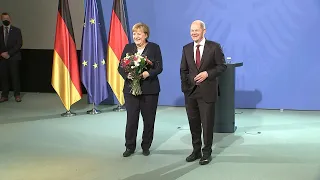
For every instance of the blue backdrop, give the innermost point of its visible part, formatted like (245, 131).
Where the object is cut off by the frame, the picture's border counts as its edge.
(278, 41)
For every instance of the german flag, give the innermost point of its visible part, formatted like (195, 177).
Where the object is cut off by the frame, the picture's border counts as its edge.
(65, 70)
(118, 38)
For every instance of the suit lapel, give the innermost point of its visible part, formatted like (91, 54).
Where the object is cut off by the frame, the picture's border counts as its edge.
(9, 35)
(134, 48)
(1, 35)
(190, 54)
(205, 53)
(144, 52)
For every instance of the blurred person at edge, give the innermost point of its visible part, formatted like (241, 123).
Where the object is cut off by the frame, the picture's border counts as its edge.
(10, 56)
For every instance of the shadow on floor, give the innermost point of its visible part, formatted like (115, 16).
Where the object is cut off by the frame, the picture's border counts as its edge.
(170, 172)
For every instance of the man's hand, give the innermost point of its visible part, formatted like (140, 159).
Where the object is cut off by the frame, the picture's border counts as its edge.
(145, 74)
(201, 77)
(5, 55)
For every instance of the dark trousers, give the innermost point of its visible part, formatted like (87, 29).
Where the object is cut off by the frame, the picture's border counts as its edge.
(10, 68)
(147, 105)
(201, 118)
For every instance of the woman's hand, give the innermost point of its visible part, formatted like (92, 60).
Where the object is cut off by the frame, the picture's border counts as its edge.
(130, 76)
(145, 74)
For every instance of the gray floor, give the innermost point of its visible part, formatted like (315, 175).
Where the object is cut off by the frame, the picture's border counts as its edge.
(36, 143)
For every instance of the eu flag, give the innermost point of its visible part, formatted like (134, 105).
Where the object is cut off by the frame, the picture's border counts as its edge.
(93, 68)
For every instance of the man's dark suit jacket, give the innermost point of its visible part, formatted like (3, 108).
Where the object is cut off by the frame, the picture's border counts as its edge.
(151, 84)
(212, 61)
(14, 43)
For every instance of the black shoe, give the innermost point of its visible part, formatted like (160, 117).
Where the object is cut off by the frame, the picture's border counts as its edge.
(205, 160)
(193, 156)
(18, 99)
(128, 153)
(3, 99)
(146, 152)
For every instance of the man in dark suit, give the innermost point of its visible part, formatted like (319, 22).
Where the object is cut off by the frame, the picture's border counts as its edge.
(10, 45)
(201, 64)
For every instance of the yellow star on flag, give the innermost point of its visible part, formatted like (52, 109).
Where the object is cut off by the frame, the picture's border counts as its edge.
(103, 62)
(85, 63)
(92, 21)
(95, 65)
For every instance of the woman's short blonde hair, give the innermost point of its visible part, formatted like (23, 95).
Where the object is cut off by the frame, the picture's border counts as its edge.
(143, 27)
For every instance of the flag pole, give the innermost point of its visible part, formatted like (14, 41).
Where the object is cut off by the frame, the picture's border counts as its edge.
(68, 114)
(65, 73)
(93, 69)
(93, 111)
(120, 108)
(116, 43)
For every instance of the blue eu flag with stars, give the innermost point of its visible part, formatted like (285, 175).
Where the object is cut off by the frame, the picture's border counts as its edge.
(93, 67)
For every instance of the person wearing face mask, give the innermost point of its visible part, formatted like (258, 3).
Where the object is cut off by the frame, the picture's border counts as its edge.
(10, 45)
(147, 102)
(202, 63)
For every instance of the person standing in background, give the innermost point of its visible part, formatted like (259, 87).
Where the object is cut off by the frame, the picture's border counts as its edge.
(10, 56)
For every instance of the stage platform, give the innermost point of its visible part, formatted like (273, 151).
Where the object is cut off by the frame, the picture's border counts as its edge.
(36, 143)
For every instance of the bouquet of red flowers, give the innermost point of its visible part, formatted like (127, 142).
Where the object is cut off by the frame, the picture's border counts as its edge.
(135, 65)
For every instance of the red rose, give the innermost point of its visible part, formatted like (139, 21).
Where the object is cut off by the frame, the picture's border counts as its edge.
(126, 62)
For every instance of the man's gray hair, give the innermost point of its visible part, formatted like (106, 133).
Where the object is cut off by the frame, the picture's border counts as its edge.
(202, 24)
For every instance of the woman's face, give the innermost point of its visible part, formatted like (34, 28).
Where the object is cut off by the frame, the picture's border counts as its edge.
(139, 37)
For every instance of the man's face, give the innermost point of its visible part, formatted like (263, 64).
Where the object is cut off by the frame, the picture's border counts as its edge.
(197, 32)
(5, 20)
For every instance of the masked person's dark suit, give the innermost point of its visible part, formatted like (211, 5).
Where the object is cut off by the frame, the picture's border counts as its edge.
(10, 42)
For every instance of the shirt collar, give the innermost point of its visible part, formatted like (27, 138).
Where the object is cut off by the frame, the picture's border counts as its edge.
(202, 42)
(4, 27)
